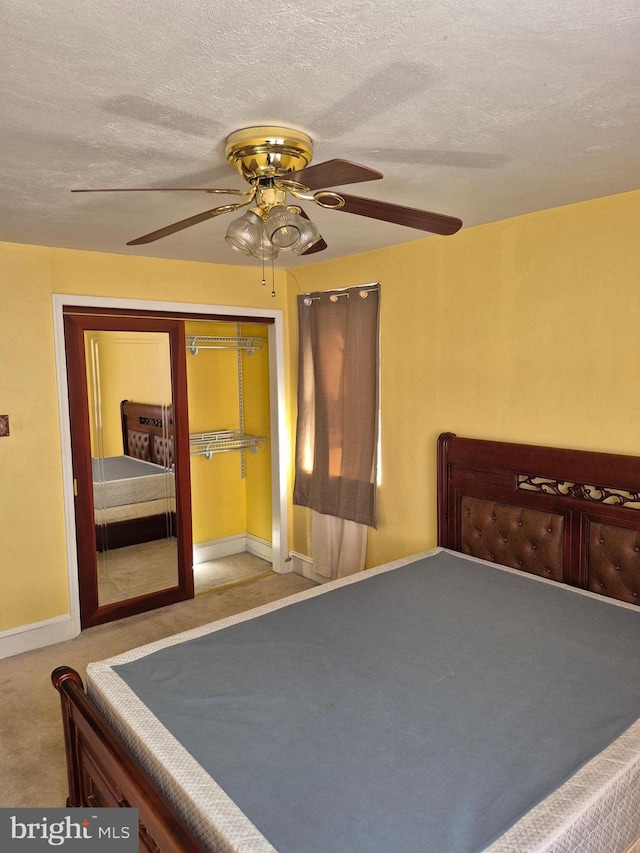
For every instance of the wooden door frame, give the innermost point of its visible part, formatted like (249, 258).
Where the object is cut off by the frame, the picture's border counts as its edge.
(280, 456)
(76, 324)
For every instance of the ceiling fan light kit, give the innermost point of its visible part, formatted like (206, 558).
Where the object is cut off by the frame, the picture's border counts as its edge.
(245, 233)
(266, 251)
(275, 162)
(309, 236)
(281, 227)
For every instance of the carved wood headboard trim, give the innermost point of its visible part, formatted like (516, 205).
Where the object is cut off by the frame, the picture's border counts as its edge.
(569, 515)
(147, 432)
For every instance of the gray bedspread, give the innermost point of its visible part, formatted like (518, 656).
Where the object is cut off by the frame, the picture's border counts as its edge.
(108, 468)
(424, 709)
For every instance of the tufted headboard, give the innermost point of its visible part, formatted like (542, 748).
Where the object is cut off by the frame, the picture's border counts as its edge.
(568, 515)
(147, 432)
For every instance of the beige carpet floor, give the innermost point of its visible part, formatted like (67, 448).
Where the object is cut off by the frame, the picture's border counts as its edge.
(236, 567)
(32, 767)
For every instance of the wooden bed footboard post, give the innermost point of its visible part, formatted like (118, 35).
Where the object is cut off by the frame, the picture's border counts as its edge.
(102, 772)
(65, 679)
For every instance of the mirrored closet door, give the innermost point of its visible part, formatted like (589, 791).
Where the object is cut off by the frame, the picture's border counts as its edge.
(130, 446)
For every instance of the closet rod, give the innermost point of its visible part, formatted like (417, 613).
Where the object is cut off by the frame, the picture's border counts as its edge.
(236, 342)
(207, 443)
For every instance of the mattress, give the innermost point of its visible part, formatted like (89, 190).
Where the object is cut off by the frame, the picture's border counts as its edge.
(438, 702)
(123, 480)
(130, 512)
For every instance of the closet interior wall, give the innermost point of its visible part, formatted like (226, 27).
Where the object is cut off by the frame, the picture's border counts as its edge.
(229, 427)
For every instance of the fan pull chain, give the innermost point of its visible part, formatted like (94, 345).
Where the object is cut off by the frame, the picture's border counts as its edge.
(273, 275)
(264, 281)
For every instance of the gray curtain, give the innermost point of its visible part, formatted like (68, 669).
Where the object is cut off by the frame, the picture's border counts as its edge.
(337, 427)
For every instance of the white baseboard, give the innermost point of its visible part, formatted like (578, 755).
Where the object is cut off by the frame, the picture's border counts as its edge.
(259, 547)
(303, 565)
(215, 549)
(26, 638)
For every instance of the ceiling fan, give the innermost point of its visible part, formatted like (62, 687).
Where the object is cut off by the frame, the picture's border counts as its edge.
(275, 163)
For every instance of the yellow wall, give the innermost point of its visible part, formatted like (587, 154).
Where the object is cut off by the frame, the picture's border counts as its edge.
(522, 330)
(33, 558)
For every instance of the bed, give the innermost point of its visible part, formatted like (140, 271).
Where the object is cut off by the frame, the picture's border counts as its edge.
(483, 695)
(134, 499)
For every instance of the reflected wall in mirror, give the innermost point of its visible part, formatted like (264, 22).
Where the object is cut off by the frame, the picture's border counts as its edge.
(131, 437)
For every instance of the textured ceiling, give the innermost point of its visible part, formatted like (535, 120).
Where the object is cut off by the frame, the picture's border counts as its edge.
(482, 110)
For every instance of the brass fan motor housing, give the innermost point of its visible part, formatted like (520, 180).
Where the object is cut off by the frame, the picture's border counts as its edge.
(266, 151)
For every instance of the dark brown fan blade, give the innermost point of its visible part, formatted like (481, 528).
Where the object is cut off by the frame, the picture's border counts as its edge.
(179, 226)
(435, 223)
(318, 246)
(333, 173)
(165, 190)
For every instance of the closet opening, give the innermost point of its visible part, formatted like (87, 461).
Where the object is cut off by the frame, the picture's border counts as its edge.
(225, 404)
(229, 407)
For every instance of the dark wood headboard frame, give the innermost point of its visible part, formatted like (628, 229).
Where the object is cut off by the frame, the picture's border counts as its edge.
(568, 515)
(146, 434)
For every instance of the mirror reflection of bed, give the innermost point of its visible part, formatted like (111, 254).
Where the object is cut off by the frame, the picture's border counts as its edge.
(134, 506)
